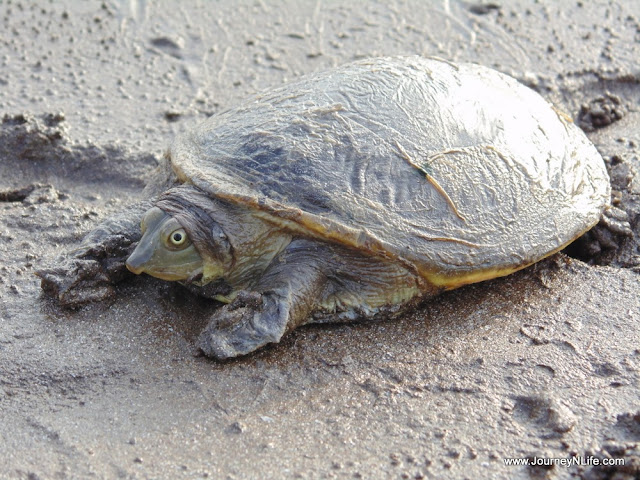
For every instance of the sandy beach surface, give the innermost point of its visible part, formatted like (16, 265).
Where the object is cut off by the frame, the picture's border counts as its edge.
(543, 364)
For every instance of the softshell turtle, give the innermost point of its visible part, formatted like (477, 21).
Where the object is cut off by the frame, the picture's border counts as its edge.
(350, 194)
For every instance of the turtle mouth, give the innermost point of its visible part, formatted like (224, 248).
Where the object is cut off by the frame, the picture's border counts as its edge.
(195, 278)
(142, 263)
(177, 272)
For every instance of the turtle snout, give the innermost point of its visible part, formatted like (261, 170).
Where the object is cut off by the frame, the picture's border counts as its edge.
(137, 260)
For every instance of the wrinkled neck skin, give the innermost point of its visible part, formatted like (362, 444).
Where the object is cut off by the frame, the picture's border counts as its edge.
(236, 245)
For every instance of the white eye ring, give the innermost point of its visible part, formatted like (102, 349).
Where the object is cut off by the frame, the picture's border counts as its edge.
(178, 237)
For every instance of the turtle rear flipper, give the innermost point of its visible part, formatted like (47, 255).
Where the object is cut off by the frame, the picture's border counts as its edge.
(608, 241)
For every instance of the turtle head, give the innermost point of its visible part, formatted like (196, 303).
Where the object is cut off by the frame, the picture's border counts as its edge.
(184, 238)
(165, 250)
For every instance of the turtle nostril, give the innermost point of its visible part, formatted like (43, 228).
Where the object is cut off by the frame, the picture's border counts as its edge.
(133, 269)
(137, 269)
(136, 261)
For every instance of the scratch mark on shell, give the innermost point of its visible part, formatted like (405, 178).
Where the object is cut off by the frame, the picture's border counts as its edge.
(430, 178)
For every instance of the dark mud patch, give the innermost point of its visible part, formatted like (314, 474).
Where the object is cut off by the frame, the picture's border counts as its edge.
(628, 425)
(601, 112)
(38, 149)
(32, 194)
(622, 462)
(169, 46)
(16, 195)
(483, 8)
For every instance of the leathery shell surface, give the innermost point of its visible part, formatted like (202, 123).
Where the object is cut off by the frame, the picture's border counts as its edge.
(457, 170)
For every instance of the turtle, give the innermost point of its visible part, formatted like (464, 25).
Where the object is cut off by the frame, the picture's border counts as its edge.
(349, 194)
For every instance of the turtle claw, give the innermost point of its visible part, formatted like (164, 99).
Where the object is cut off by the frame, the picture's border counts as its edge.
(251, 321)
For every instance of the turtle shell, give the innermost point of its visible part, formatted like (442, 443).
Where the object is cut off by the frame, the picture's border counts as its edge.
(459, 171)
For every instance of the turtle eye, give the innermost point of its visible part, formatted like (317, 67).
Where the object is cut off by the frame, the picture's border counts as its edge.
(178, 237)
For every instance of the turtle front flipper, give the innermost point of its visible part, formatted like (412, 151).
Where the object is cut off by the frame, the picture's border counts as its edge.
(87, 273)
(281, 300)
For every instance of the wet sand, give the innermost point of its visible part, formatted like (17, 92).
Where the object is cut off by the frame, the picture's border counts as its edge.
(544, 363)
